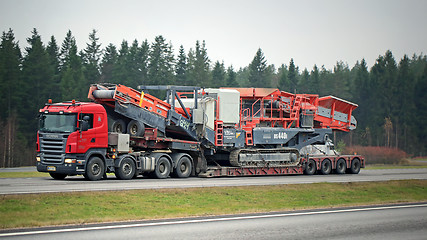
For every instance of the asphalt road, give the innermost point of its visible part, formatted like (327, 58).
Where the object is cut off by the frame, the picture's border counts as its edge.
(77, 183)
(383, 222)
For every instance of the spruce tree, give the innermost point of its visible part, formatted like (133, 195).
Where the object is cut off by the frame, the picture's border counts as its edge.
(73, 83)
(231, 77)
(258, 70)
(284, 84)
(108, 64)
(91, 59)
(181, 67)
(160, 68)
(218, 75)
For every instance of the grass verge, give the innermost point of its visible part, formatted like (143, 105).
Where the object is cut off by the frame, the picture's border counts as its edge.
(23, 174)
(34, 210)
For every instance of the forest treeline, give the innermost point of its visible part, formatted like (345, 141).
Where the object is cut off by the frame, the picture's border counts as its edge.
(391, 94)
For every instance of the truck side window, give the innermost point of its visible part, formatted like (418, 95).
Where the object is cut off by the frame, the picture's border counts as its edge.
(90, 115)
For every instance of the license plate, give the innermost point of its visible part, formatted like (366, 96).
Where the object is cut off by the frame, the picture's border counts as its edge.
(51, 168)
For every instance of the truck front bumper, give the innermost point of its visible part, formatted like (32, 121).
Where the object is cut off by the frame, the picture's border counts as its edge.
(64, 168)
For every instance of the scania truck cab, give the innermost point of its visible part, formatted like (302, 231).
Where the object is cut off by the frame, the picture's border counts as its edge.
(71, 134)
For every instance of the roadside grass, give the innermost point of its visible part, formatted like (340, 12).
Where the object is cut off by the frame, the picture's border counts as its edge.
(35, 210)
(23, 174)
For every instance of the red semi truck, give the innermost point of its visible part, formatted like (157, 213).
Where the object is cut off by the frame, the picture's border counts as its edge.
(193, 132)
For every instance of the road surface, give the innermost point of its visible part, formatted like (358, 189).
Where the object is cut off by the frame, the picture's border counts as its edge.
(77, 183)
(381, 222)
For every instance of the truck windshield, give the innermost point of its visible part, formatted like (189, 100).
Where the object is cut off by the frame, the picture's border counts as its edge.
(58, 122)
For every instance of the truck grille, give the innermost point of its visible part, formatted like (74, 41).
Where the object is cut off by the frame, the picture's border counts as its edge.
(52, 147)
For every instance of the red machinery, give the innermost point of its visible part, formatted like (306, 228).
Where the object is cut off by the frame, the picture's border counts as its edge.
(204, 132)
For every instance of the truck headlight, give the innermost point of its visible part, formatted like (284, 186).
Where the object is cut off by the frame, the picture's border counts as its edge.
(70, 160)
(38, 159)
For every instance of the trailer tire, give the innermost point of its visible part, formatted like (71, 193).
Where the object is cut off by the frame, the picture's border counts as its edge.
(326, 167)
(184, 167)
(126, 170)
(118, 126)
(135, 128)
(341, 166)
(95, 169)
(163, 168)
(58, 176)
(310, 167)
(355, 166)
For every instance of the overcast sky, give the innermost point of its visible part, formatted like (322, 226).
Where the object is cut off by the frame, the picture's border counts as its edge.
(311, 31)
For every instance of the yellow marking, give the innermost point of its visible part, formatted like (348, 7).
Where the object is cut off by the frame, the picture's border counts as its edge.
(142, 97)
(238, 134)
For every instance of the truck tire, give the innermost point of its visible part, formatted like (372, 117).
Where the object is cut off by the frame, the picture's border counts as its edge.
(163, 168)
(58, 176)
(95, 169)
(326, 167)
(341, 166)
(184, 167)
(118, 126)
(126, 170)
(355, 166)
(135, 128)
(310, 167)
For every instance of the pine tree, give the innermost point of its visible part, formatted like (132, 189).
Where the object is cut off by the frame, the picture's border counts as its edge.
(258, 70)
(284, 84)
(120, 71)
(218, 75)
(314, 81)
(137, 63)
(12, 100)
(160, 68)
(52, 50)
(405, 110)
(91, 59)
(181, 67)
(421, 117)
(293, 76)
(38, 85)
(305, 81)
(200, 71)
(72, 77)
(231, 77)
(10, 75)
(108, 64)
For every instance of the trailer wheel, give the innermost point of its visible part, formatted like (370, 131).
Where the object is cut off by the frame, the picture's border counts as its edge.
(326, 167)
(118, 126)
(126, 170)
(163, 168)
(135, 128)
(355, 166)
(310, 167)
(183, 168)
(58, 176)
(341, 166)
(95, 169)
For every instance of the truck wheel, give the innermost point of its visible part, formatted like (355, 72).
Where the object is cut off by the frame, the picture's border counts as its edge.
(310, 167)
(326, 167)
(135, 128)
(118, 126)
(163, 168)
(184, 167)
(341, 166)
(58, 176)
(126, 170)
(94, 169)
(355, 166)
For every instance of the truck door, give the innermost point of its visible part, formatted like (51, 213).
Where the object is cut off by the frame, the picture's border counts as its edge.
(86, 138)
